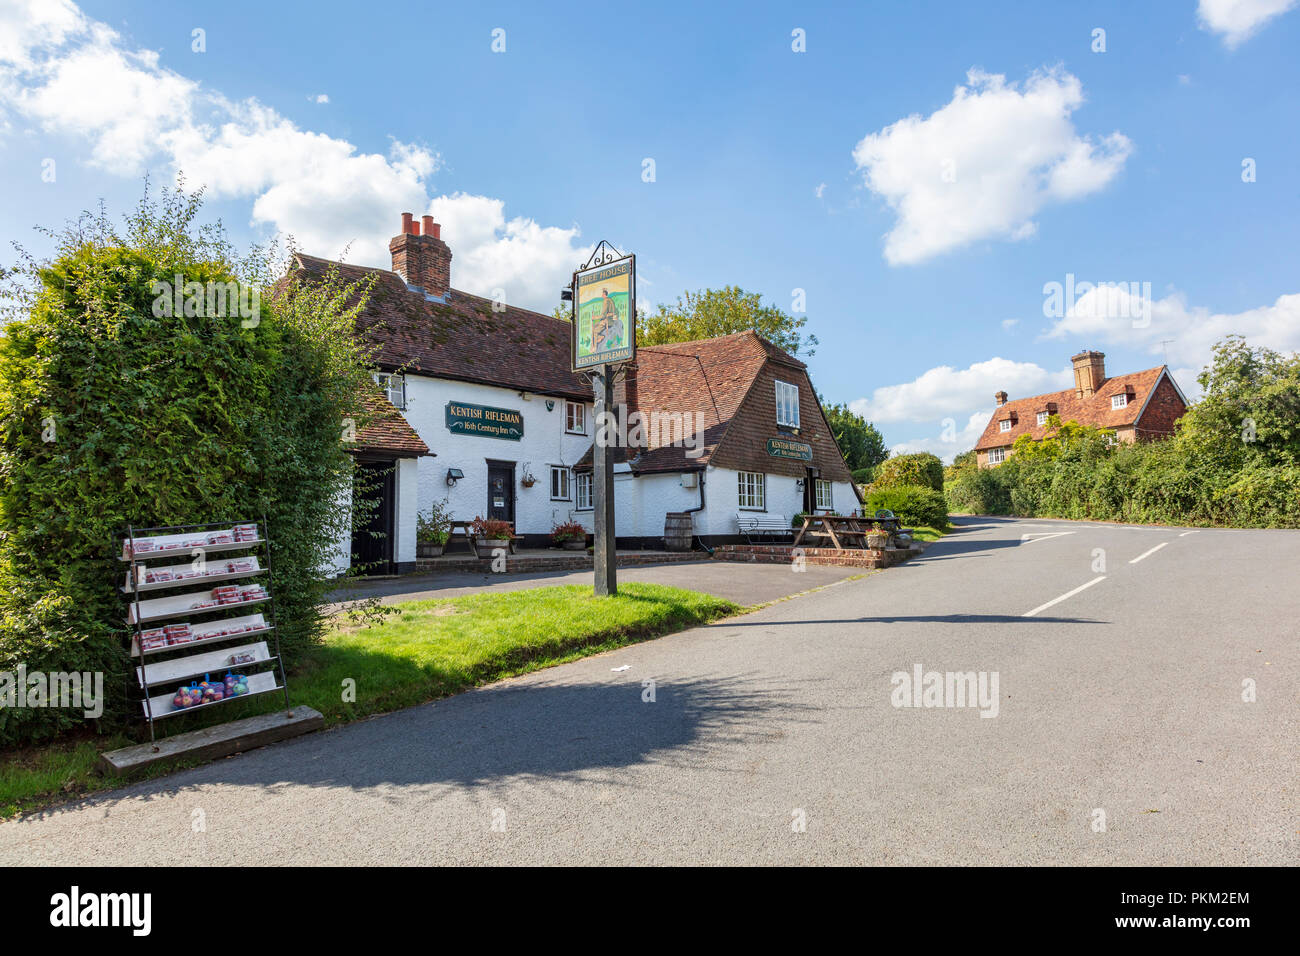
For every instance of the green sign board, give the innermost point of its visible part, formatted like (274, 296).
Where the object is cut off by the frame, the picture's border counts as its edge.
(785, 448)
(485, 421)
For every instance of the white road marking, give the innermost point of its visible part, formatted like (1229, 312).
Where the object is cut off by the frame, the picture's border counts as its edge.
(1031, 536)
(1186, 533)
(1147, 554)
(1067, 594)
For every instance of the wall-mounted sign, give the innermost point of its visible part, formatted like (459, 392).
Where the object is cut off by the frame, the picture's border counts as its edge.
(485, 421)
(604, 314)
(785, 448)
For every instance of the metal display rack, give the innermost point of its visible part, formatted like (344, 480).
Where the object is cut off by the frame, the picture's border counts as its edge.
(204, 649)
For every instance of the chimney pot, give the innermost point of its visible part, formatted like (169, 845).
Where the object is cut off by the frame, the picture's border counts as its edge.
(430, 229)
(423, 261)
(406, 223)
(1000, 398)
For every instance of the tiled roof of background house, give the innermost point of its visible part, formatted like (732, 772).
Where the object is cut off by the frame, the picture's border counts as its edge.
(388, 431)
(461, 339)
(1095, 410)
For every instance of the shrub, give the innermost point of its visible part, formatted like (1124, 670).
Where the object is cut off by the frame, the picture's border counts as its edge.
(568, 531)
(922, 469)
(914, 504)
(979, 491)
(112, 415)
(433, 526)
(493, 528)
(863, 476)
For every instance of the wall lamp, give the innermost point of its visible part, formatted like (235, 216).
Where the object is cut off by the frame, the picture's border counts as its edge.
(454, 475)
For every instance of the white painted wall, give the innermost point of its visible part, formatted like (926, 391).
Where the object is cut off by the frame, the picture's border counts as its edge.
(544, 443)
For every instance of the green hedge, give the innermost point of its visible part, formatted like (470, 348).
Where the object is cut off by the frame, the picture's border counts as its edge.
(914, 504)
(111, 415)
(922, 469)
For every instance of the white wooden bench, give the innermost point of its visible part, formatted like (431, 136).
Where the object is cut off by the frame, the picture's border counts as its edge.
(759, 524)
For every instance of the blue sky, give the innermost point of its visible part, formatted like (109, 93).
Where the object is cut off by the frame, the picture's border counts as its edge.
(920, 170)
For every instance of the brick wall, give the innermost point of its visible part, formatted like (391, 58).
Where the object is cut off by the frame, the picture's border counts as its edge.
(1162, 411)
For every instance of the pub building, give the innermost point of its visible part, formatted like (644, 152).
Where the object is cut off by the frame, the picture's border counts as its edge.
(478, 404)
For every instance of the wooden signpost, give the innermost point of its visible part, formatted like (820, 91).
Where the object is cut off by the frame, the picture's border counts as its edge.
(603, 339)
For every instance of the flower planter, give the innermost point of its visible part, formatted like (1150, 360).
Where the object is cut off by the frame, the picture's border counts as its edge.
(877, 542)
(487, 545)
(426, 550)
(575, 546)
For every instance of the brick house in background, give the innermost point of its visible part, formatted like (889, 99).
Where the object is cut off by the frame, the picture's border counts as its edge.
(1138, 406)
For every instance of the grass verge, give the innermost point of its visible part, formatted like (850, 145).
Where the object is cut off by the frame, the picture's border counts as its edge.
(422, 651)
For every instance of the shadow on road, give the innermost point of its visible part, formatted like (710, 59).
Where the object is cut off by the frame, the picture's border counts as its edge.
(543, 731)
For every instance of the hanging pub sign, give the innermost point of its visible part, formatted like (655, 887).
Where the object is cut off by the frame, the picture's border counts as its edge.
(785, 448)
(604, 313)
(485, 421)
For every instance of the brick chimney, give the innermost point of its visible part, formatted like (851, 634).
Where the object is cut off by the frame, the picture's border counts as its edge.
(1089, 372)
(422, 260)
(1000, 398)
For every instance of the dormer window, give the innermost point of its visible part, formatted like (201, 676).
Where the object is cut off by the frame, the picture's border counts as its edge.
(1119, 401)
(1042, 419)
(394, 387)
(1004, 425)
(787, 405)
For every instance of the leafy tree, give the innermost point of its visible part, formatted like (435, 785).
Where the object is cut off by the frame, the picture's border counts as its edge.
(860, 442)
(114, 412)
(922, 469)
(714, 312)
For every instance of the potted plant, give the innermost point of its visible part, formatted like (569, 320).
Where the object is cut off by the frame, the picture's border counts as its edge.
(432, 529)
(491, 533)
(878, 539)
(569, 535)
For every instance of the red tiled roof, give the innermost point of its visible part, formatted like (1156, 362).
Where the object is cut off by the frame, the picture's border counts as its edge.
(461, 339)
(1094, 410)
(388, 430)
(711, 379)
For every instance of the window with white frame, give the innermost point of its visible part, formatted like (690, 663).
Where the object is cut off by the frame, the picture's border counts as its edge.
(751, 490)
(1004, 425)
(582, 491)
(997, 456)
(1119, 401)
(575, 418)
(824, 497)
(394, 387)
(1042, 418)
(787, 404)
(559, 483)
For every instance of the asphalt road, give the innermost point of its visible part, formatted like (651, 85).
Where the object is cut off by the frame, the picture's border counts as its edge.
(772, 738)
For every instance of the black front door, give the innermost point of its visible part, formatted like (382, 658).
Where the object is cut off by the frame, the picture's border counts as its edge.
(501, 491)
(373, 516)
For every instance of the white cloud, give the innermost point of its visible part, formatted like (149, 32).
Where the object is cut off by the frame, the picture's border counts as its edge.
(820, 190)
(69, 75)
(947, 444)
(529, 261)
(320, 98)
(1237, 20)
(1009, 324)
(946, 392)
(1187, 334)
(985, 164)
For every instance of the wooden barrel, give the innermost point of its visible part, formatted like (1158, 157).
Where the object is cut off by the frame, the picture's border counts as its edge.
(678, 531)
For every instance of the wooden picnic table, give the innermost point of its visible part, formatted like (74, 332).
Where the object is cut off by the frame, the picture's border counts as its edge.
(853, 529)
